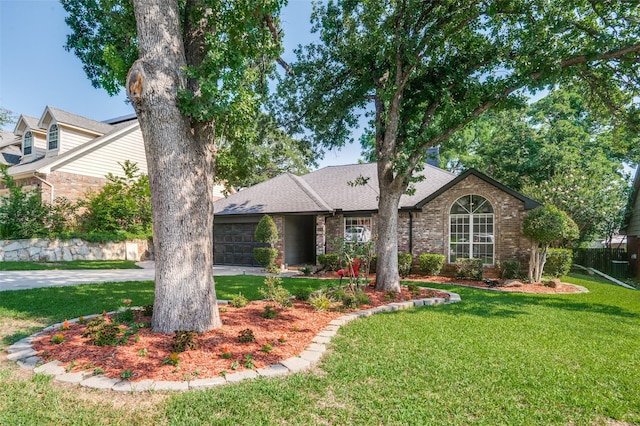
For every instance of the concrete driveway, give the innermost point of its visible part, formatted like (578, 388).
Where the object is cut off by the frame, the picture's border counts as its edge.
(20, 280)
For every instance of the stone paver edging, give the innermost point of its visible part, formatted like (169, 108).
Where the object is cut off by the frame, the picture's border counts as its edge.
(26, 357)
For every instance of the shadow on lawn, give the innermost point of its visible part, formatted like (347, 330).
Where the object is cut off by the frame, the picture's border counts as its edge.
(485, 303)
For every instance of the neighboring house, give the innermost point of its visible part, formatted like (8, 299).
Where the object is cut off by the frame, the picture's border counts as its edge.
(633, 228)
(457, 216)
(64, 154)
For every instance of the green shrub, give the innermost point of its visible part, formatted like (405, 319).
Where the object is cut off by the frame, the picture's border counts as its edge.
(329, 262)
(414, 289)
(22, 213)
(239, 301)
(469, 268)
(269, 312)
(558, 262)
(509, 269)
(266, 231)
(103, 333)
(303, 293)
(320, 302)
(404, 264)
(265, 256)
(274, 291)
(431, 264)
(122, 204)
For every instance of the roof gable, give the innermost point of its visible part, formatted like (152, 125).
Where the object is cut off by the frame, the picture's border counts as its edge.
(52, 114)
(528, 202)
(46, 164)
(25, 122)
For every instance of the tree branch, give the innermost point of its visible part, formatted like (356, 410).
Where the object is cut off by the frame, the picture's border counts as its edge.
(268, 19)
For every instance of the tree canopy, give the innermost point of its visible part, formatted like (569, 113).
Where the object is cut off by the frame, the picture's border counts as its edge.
(558, 150)
(196, 73)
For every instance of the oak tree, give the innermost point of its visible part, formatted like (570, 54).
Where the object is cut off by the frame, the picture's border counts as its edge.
(422, 70)
(194, 71)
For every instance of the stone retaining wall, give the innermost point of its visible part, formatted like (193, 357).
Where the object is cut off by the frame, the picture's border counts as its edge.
(40, 249)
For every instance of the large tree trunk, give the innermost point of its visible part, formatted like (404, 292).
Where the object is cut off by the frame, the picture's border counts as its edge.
(387, 277)
(181, 172)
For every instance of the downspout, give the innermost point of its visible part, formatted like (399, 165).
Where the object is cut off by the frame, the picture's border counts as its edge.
(49, 184)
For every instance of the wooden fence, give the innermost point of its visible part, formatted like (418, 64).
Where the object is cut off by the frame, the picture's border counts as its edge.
(614, 262)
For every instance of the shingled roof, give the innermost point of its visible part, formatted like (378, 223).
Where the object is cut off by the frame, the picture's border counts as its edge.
(79, 121)
(324, 191)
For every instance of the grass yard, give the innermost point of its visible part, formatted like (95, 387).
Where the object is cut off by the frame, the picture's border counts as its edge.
(72, 264)
(495, 358)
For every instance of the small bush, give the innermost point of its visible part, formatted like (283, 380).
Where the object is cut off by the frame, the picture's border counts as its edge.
(274, 291)
(239, 301)
(558, 262)
(414, 290)
(509, 269)
(302, 293)
(329, 262)
(266, 231)
(265, 256)
(320, 302)
(127, 316)
(404, 264)
(431, 264)
(246, 336)
(469, 269)
(184, 340)
(103, 333)
(269, 312)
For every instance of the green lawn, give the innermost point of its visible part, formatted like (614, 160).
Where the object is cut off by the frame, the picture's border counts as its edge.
(72, 264)
(493, 359)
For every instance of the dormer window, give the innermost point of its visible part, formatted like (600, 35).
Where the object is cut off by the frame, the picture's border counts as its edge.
(27, 143)
(53, 137)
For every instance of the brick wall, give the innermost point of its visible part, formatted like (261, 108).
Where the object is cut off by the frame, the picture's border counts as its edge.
(70, 185)
(430, 232)
(67, 185)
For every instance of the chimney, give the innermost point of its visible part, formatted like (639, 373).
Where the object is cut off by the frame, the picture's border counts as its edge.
(433, 156)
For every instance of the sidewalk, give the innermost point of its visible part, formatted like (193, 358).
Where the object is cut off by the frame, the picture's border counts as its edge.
(20, 280)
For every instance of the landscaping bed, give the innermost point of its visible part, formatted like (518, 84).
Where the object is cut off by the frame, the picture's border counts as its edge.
(149, 355)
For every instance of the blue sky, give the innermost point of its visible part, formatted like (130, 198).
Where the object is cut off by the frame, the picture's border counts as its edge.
(36, 71)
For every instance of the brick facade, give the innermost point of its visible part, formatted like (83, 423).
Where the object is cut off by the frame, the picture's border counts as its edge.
(69, 185)
(427, 231)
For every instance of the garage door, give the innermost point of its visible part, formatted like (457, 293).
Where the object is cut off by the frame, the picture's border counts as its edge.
(233, 244)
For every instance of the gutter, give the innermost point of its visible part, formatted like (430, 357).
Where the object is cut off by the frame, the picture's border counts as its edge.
(49, 184)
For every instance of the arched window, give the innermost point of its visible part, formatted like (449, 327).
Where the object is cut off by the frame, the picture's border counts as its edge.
(471, 229)
(53, 136)
(27, 143)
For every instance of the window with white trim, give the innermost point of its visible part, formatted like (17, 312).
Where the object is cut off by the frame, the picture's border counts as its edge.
(27, 143)
(357, 229)
(471, 230)
(53, 137)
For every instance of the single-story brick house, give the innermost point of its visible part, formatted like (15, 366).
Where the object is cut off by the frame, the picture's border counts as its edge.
(462, 215)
